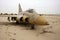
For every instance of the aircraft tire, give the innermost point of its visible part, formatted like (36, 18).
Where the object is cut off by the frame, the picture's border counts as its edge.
(17, 22)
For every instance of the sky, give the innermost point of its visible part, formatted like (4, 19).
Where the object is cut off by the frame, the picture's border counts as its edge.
(40, 6)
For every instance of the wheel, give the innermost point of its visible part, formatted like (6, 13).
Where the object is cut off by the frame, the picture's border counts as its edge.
(17, 22)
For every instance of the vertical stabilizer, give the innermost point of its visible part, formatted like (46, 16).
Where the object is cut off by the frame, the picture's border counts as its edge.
(19, 8)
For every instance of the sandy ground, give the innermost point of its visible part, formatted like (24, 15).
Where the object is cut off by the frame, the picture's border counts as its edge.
(12, 31)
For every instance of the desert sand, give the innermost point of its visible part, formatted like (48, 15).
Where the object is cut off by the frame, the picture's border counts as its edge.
(12, 31)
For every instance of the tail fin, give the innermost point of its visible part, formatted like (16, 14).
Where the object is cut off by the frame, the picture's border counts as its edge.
(19, 9)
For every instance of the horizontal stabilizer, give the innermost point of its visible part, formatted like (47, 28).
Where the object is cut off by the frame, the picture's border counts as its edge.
(10, 15)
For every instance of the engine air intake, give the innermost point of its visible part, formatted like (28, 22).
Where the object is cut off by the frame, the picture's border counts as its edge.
(26, 20)
(21, 19)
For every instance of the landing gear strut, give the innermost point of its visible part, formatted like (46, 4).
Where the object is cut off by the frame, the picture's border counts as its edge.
(32, 27)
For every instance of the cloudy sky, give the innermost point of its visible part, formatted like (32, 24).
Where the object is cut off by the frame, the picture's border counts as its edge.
(40, 6)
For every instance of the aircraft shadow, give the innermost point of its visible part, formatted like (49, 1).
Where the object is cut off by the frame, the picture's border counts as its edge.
(27, 26)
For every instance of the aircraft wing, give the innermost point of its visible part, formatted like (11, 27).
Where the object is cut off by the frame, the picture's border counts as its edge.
(10, 15)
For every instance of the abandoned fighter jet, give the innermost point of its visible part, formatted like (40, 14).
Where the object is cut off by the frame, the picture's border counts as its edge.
(28, 16)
